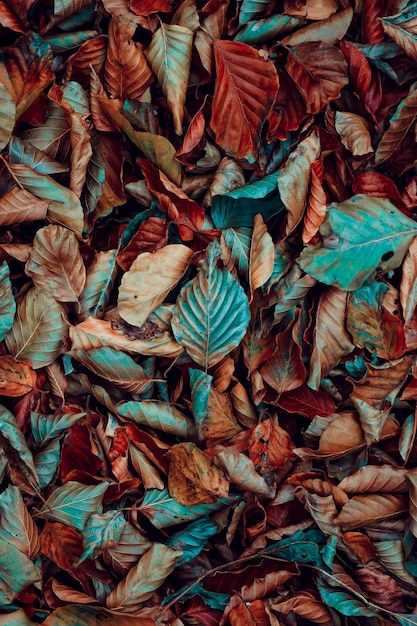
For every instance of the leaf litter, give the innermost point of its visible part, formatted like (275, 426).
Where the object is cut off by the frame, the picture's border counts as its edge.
(208, 312)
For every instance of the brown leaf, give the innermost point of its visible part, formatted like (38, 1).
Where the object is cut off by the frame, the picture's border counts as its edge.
(245, 89)
(193, 478)
(376, 478)
(307, 604)
(316, 205)
(381, 588)
(62, 544)
(270, 446)
(55, 263)
(330, 340)
(354, 133)
(262, 255)
(400, 123)
(151, 235)
(18, 205)
(288, 110)
(127, 73)
(319, 71)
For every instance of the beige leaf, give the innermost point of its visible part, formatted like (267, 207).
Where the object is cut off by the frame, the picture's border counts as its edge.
(18, 205)
(364, 510)
(408, 288)
(262, 255)
(373, 478)
(39, 329)
(95, 333)
(317, 203)
(149, 280)
(142, 580)
(294, 179)
(330, 340)
(354, 133)
(55, 263)
(241, 471)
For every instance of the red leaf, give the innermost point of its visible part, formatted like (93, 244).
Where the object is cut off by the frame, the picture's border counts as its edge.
(147, 7)
(62, 544)
(307, 402)
(375, 184)
(288, 110)
(270, 446)
(366, 83)
(245, 89)
(77, 454)
(193, 142)
(372, 29)
(151, 236)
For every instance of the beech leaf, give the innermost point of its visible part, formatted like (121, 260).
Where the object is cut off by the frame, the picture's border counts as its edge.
(345, 256)
(211, 314)
(8, 304)
(73, 503)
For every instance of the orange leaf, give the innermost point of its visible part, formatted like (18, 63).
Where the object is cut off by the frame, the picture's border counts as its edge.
(16, 377)
(270, 446)
(317, 203)
(62, 544)
(245, 89)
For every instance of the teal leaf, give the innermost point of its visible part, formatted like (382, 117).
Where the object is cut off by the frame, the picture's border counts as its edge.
(66, 42)
(8, 114)
(16, 618)
(64, 207)
(76, 97)
(364, 320)
(102, 531)
(406, 620)
(73, 503)
(213, 599)
(7, 302)
(24, 152)
(164, 511)
(48, 427)
(360, 237)
(302, 547)
(11, 432)
(238, 241)
(115, 366)
(200, 383)
(101, 275)
(252, 9)
(94, 180)
(256, 32)
(16, 572)
(344, 602)
(162, 416)
(211, 314)
(192, 539)
(46, 462)
(238, 208)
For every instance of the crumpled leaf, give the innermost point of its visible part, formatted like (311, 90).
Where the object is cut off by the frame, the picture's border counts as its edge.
(354, 133)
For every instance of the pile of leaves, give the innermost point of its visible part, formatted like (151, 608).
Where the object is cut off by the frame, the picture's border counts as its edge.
(208, 325)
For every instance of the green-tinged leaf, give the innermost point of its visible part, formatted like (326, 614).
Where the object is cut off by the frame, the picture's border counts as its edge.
(45, 428)
(101, 275)
(8, 115)
(159, 415)
(127, 551)
(238, 241)
(213, 599)
(16, 572)
(169, 55)
(53, 136)
(156, 148)
(65, 42)
(200, 392)
(73, 503)
(39, 329)
(63, 205)
(94, 179)
(192, 539)
(256, 32)
(329, 30)
(7, 301)
(400, 123)
(46, 462)
(211, 314)
(64, 9)
(341, 600)
(406, 620)
(114, 366)
(163, 511)
(290, 290)
(402, 29)
(238, 208)
(251, 9)
(359, 237)
(391, 555)
(364, 320)
(302, 547)
(142, 580)
(17, 618)
(11, 433)
(25, 152)
(16, 524)
(102, 531)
